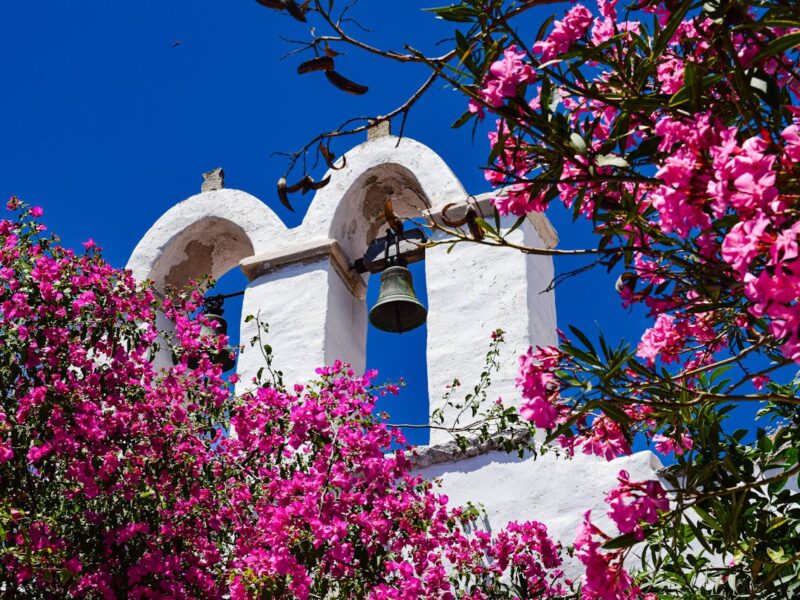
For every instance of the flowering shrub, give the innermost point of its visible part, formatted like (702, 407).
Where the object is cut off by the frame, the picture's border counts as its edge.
(687, 168)
(120, 480)
(672, 125)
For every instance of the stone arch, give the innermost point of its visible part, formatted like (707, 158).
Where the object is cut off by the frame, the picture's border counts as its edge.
(350, 208)
(206, 234)
(350, 211)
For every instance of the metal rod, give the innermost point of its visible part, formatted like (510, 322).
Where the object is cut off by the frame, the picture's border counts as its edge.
(231, 295)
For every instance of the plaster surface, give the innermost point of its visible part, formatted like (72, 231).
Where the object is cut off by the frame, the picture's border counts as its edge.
(472, 291)
(206, 234)
(554, 490)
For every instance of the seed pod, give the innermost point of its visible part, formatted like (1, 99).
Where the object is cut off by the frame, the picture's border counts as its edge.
(345, 84)
(306, 184)
(282, 195)
(330, 51)
(474, 227)
(329, 157)
(276, 4)
(300, 185)
(452, 222)
(295, 10)
(392, 220)
(318, 185)
(320, 63)
(626, 280)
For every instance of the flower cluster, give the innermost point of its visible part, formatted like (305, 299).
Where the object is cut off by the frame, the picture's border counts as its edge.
(708, 170)
(631, 504)
(678, 136)
(537, 382)
(123, 480)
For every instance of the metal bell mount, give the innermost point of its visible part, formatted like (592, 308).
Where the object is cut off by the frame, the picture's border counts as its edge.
(397, 309)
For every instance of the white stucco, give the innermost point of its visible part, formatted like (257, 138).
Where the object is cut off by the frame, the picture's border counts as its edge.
(474, 290)
(554, 490)
(212, 230)
(313, 320)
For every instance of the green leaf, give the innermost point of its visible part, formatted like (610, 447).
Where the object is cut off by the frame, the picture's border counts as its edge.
(777, 522)
(663, 40)
(778, 556)
(698, 534)
(621, 541)
(462, 119)
(457, 13)
(778, 46)
(615, 413)
(583, 338)
(706, 518)
(516, 224)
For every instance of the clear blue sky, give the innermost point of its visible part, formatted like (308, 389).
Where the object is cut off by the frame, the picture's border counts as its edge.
(105, 124)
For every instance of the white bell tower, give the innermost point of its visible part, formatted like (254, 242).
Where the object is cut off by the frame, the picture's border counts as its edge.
(302, 282)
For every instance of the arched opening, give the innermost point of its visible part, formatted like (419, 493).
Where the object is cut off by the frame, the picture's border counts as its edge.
(232, 284)
(397, 356)
(360, 218)
(209, 247)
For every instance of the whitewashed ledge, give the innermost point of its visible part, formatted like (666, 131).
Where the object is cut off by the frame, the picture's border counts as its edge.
(550, 487)
(448, 452)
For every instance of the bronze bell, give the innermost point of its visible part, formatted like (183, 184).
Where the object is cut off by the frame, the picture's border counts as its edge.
(397, 309)
(225, 357)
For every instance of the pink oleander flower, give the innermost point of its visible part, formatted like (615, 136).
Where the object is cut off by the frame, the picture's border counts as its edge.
(565, 33)
(608, 8)
(791, 150)
(663, 339)
(6, 451)
(605, 577)
(745, 242)
(668, 445)
(753, 178)
(635, 502)
(785, 247)
(605, 29)
(670, 75)
(605, 438)
(537, 382)
(519, 200)
(504, 79)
